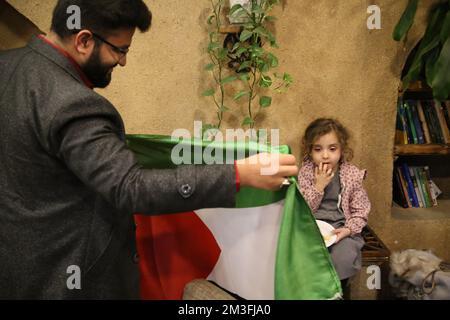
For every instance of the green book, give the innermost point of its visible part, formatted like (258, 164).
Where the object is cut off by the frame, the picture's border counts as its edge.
(411, 123)
(425, 187)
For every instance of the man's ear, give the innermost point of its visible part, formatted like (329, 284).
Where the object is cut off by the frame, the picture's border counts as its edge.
(84, 42)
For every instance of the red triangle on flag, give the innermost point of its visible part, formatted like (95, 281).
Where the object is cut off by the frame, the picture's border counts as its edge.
(174, 249)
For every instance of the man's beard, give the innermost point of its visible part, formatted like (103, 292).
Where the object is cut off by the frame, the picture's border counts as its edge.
(97, 72)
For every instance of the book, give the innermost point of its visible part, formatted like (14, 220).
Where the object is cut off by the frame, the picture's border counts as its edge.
(426, 109)
(401, 130)
(410, 185)
(404, 187)
(404, 120)
(417, 124)
(442, 123)
(398, 194)
(445, 107)
(416, 186)
(423, 122)
(436, 123)
(425, 187)
(410, 123)
(422, 190)
(435, 189)
(430, 184)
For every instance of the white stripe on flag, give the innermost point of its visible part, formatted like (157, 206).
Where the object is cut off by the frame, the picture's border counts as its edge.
(248, 240)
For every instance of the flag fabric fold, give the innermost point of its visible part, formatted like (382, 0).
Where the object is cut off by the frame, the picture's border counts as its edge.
(267, 247)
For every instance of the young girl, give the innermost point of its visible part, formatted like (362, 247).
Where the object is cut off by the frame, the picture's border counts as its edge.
(334, 191)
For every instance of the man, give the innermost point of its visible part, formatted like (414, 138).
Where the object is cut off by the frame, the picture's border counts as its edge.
(68, 182)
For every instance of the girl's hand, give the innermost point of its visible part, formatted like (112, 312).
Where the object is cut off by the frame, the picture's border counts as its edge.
(323, 174)
(341, 233)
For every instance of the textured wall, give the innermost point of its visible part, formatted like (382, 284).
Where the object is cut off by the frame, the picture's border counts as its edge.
(341, 69)
(15, 29)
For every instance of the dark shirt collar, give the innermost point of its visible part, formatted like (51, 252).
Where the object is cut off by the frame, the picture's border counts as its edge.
(71, 60)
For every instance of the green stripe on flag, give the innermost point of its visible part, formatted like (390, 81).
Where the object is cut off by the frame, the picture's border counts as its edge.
(303, 269)
(154, 151)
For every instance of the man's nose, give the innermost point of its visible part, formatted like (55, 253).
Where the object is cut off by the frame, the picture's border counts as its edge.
(123, 61)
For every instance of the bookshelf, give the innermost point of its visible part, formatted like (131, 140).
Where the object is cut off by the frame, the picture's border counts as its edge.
(421, 149)
(441, 211)
(421, 156)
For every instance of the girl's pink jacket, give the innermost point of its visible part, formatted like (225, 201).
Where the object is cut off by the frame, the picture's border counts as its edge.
(353, 198)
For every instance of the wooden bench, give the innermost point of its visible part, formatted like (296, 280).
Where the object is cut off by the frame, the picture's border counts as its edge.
(375, 252)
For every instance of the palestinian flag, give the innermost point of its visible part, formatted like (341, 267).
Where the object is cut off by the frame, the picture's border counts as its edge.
(267, 247)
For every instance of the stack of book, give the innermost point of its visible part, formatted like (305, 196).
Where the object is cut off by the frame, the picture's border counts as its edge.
(413, 187)
(422, 122)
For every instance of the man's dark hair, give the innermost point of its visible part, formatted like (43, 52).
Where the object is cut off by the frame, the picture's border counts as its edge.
(102, 16)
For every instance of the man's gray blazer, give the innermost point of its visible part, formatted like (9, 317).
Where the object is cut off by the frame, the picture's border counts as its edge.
(69, 185)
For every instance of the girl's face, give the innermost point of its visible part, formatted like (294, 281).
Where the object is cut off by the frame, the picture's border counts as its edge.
(327, 150)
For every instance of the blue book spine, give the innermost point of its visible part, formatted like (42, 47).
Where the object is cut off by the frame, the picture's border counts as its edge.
(405, 123)
(417, 125)
(411, 191)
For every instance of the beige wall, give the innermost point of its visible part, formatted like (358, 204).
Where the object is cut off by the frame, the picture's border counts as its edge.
(341, 69)
(15, 29)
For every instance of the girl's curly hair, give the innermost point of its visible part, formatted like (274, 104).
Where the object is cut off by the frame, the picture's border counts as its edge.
(320, 127)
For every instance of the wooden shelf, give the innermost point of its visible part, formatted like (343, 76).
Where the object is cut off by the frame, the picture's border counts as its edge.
(417, 86)
(421, 149)
(231, 28)
(442, 211)
(416, 91)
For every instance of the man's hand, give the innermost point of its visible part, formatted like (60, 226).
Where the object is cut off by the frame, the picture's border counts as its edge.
(341, 233)
(323, 174)
(253, 171)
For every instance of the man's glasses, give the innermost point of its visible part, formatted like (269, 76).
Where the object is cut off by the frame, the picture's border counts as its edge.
(121, 51)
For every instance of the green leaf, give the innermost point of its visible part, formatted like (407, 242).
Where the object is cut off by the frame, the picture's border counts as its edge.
(288, 78)
(274, 44)
(212, 46)
(265, 101)
(244, 77)
(209, 92)
(228, 79)
(245, 35)
(430, 64)
(265, 81)
(223, 52)
(273, 60)
(263, 66)
(405, 21)
(429, 42)
(241, 94)
(445, 31)
(240, 51)
(261, 31)
(270, 18)
(235, 47)
(441, 79)
(210, 19)
(244, 65)
(247, 121)
(235, 8)
(257, 9)
(209, 67)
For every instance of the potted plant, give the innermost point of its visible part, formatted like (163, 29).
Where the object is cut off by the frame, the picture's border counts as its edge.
(251, 61)
(430, 61)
